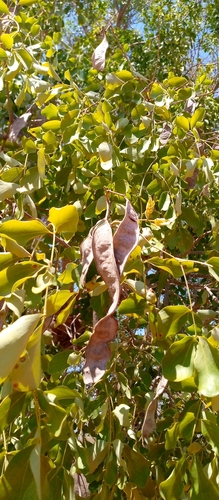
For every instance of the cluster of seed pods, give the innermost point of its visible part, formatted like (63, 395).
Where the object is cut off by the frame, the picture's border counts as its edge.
(110, 254)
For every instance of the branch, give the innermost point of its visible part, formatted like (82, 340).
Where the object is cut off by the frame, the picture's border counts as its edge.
(121, 13)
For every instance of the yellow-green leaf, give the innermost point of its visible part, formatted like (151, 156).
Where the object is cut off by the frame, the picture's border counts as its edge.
(4, 8)
(13, 276)
(52, 125)
(26, 374)
(13, 341)
(41, 162)
(23, 231)
(197, 116)
(12, 246)
(182, 122)
(57, 300)
(3, 54)
(65, 220)
(7, 40)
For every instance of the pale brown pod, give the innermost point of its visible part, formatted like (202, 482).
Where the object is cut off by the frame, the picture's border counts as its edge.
(103, 252)
(87, 257)
(98, 351)
(99, 55)
(126, 237)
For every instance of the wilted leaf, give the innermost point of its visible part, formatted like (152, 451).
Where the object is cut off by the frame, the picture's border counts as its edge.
(149, 207)
(17, 125)
(165, 134)
(149, 424)
(190, 105)
(99, 55)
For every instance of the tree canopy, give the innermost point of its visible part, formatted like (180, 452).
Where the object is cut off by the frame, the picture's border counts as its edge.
(109, 257)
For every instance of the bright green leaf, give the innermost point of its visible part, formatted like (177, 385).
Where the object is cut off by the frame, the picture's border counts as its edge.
(178, 362)
(206, 364)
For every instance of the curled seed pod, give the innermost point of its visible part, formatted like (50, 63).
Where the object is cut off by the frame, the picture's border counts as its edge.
(99, 55)
(87, 257)
(98, 351)
(103, 252)
(126, 237)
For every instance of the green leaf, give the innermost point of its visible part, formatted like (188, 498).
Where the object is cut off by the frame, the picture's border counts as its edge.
(58, 362)
(56, 415)
(170, 320)
(6, 258)
(197, 116)
(64, 393)
(12, 277)
(64, 219)
(10, 408)
(50, 111)
(210, 432)
(187, 425)
(178, 362)
(173, 266)
(111, 472)
(4, 8)
(214, 267)
(202, 487)
(182, 122)
(176, 81)
(134, 304)
(137, 465)
(23, 231)
(172, 487)
(11, 485)
(206, 365)
(13, 341)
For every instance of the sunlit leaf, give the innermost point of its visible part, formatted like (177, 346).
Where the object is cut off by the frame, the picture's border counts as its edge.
(64, 219)
(13, 341)
(206, 363)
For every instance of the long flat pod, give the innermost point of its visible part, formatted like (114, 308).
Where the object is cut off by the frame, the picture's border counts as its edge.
(87, 257)
(98, 351)
(126, 237)
(103, 252)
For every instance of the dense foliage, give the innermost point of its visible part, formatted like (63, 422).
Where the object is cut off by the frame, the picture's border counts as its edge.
(81, 149)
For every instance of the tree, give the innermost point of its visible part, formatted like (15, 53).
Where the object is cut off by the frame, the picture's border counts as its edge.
(121, 163)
